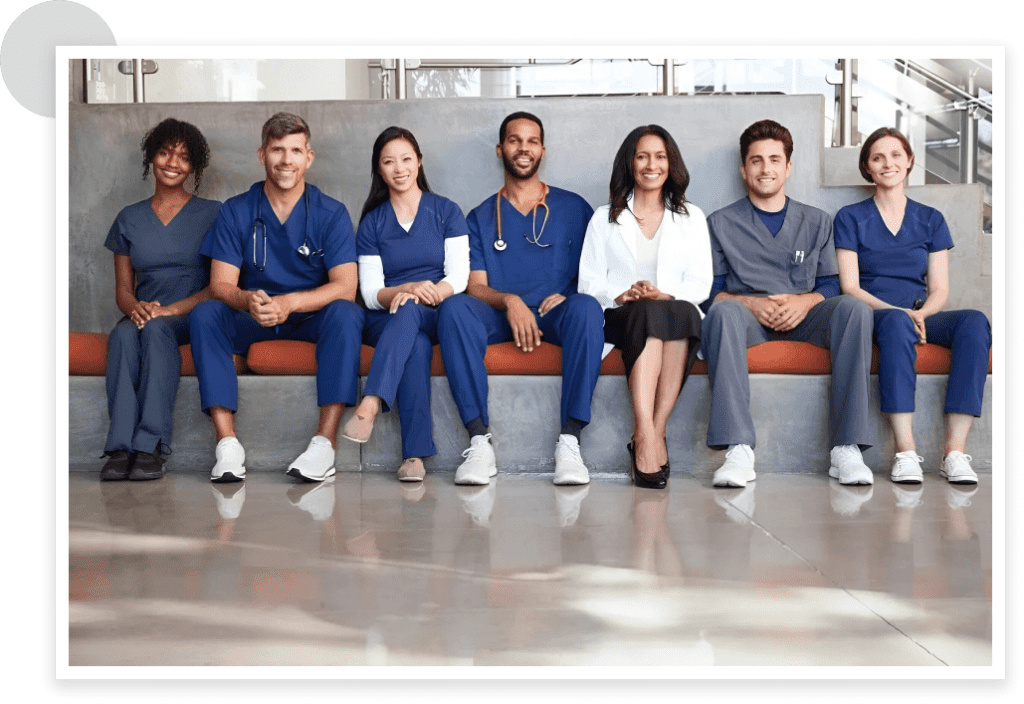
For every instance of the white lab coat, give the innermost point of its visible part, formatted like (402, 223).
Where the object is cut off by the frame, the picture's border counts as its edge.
(608, 264)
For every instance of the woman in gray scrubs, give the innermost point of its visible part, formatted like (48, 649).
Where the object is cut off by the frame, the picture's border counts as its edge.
(159, 277)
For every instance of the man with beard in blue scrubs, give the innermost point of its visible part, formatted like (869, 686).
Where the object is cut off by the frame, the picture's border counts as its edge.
(283, 268)
(524, 244)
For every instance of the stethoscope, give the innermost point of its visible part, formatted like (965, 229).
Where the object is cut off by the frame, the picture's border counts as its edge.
(304, 250)
(500, 244)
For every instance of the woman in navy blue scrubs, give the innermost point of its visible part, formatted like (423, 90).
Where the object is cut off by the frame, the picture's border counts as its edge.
(159, 277)
(893, 254)
(413, 250)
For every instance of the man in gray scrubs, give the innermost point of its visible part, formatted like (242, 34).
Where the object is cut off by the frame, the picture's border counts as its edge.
(776, 279)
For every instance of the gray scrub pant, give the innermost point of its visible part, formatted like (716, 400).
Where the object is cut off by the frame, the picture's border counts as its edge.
(841, 324)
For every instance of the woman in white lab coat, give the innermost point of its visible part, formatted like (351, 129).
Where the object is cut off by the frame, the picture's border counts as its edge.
(647, 260)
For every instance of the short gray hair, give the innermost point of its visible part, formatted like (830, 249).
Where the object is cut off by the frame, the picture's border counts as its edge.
(283, 124)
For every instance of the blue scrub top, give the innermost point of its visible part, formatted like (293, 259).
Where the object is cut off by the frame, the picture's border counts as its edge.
(231, 240)
(531, 272)
(893, 268)
(416, 255)
(166, 258)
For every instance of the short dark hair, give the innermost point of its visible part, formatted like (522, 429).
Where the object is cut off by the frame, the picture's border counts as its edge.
(622, 182)
(378, 189)
(283, 124)
(521, 115)
(765, 129)
(171, 133)
(865, 150)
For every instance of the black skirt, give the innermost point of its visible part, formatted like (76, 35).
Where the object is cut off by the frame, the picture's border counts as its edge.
(628, 327)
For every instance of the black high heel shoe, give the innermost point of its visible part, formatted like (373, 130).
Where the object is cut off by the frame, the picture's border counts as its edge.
(665, 468)
(644, 480)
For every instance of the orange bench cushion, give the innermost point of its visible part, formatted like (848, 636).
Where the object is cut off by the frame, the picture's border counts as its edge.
(88, 357)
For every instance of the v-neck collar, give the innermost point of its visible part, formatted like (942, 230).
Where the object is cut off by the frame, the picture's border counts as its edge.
(149, 204)
(878, 212)
(762, 231)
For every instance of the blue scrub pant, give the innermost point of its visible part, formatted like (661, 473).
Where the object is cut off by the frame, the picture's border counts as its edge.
(966, 332)
(404, 347)
(143, 370)
(467, 325)
(841, 324)
(218, 331)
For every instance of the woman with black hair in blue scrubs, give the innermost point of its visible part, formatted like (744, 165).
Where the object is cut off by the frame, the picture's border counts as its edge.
(413, 250)
(893, 254)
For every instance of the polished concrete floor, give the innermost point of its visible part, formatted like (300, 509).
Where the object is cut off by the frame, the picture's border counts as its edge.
(363, 570)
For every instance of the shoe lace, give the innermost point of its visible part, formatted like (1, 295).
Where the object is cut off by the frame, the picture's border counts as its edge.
(736, 451)
(846, 453)
(907, 463)
(573, 449)
(476, 446)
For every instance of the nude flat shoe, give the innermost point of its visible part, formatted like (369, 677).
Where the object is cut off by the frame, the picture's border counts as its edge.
(412, 470)
(357, 429)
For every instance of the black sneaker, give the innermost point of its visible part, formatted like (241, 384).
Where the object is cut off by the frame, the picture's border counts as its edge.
(148, 466)
(117, 467)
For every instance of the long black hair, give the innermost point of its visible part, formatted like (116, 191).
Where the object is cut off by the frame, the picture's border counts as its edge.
(171, 133)
(378, 189)
(622, 181)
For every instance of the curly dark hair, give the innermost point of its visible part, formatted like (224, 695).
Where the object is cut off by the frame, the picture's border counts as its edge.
(622, 181)
(378, 189)
(171, 133)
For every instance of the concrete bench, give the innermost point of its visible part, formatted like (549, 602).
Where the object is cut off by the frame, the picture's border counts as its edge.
(789, 403)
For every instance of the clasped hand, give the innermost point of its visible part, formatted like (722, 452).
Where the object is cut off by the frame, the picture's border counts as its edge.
(426, 292)
(643, 290)
(144, 311)
(267, 310)
(525, 331)
(918, 318)
(780, 311)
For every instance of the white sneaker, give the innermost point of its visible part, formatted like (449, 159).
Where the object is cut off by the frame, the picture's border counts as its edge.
(848, 466)
(906, 468)
(569, 467)
(956, 468)
(316, 463)
(230, 465)
(738, 468)
(480, 464)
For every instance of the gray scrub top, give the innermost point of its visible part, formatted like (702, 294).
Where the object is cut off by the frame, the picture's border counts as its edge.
(753, 262)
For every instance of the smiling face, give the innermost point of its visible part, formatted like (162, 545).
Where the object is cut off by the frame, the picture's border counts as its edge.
(171, 165)
(650, 163)
(286, 160)
(399, 166)
(888, 162)
(765, 169)
(522, 150)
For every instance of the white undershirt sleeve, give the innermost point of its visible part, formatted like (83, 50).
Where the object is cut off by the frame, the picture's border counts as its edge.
(456, 263)
(371, 280)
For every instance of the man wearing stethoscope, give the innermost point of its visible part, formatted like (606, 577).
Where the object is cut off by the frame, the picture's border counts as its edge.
(283, 267)
(525, 243)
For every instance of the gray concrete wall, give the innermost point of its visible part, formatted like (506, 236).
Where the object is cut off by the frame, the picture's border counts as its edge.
(524, 423)
(457, 137)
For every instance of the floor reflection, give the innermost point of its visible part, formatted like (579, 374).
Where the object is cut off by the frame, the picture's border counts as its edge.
(367, 570)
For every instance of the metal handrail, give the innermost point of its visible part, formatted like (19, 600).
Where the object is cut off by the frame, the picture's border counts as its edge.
(971, 100)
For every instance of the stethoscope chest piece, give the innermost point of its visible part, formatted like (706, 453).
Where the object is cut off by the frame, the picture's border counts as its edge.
(500, 245)
(304, 250)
